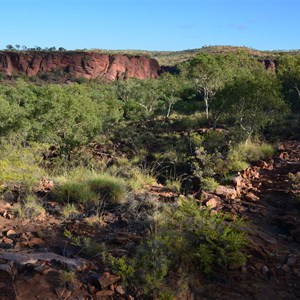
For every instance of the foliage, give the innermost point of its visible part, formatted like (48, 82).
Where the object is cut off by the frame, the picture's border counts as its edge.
(209, 184)
(74, 192)
(19, 166)
(289, 73)
(29, 208)
(69, 210)
(90, 189)
(187, 237)
(108, 188)
(253, 101)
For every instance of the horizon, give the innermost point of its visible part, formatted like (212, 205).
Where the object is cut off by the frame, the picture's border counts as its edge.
(165, 25)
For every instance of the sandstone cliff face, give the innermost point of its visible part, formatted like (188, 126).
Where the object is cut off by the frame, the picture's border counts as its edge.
(89, 65)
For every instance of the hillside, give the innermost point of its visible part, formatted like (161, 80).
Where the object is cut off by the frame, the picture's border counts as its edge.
(171, 58)
(183, 185)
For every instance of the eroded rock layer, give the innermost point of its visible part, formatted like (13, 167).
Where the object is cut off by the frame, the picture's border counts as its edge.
(89, 65)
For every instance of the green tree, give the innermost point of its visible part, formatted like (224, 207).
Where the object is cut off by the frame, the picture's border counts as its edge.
(289, 73)
(171, 88)
(210, 72)
(253, 101)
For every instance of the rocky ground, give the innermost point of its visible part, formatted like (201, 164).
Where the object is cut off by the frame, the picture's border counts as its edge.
(37, 261)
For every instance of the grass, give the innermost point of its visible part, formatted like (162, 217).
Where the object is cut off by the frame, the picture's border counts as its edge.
(67, 278)
(209, 184)
(95, 221)
(74, 192)
(70, 210)
(30, 208)
(254, 151)
(90, 189)
(108, 188)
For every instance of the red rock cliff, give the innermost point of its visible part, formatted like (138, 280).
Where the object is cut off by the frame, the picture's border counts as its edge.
(89, 65)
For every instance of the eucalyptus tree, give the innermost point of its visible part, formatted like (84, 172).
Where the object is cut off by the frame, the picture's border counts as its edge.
(210, 72)
(288, 71)
(252, 101)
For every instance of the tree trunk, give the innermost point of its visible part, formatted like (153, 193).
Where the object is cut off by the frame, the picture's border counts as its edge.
(206, 106)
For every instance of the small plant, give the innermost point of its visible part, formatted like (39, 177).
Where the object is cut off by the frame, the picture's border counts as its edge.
(74, 192)
(19, 167)
(30, 208)
(88, 247)
(174, 184)
(122, 266)
(235, 162)
(70, 210)
(252, 151)
(95, 221)
(209, 184)
(186, 238)
(67, 278)
(110, 189)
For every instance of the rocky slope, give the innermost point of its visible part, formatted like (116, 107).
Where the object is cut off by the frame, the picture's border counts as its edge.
(88, 65)
(34, 254)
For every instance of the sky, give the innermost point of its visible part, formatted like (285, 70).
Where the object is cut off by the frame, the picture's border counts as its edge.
(150, 24)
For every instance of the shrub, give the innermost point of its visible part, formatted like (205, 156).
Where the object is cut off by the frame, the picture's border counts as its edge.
(252, 151)
(209, 184)
(19, 166)
(70, 210)
(194, 237)
(108, 188)
(186, 238)
(30, 208)
(235, 162)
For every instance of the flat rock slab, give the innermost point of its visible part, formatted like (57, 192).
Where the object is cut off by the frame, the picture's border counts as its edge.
(27, 258)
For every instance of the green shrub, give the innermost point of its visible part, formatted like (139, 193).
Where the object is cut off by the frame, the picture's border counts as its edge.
(253, 151)
(235, 162)
(209, 184)
(191, 235)
(185, 239)
(30, 208)
(214, 140)
(70, 210)
(19, 166)
(109, 188)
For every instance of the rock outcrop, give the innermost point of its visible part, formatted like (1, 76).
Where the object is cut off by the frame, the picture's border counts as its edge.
(89, 65)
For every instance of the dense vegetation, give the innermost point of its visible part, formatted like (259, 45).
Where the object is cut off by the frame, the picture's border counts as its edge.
(102, 142)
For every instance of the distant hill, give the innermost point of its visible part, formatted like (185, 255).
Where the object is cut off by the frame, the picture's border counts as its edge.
(171, 58)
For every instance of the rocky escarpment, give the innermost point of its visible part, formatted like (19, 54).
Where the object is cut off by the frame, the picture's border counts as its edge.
(89, 65)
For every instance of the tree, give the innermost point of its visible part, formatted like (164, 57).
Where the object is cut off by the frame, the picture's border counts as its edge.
(253, 101)
(11, 117)
(10, 47)
(140, 97)
(210, 72)
(171, 88)
(289, 73)
(207, 76)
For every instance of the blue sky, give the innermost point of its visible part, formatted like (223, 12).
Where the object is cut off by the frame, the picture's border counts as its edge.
(151, 25)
